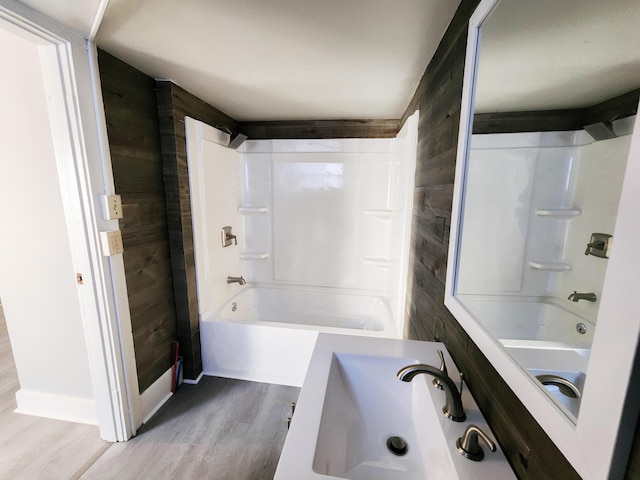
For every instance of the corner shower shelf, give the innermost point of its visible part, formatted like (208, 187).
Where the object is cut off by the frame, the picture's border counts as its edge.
(559, 213)
(381, 214)
(254, 256)
(550, 266)
(377, 261)
(252, 210)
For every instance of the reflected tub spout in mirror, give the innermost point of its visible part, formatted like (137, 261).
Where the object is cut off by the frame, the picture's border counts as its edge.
(575, 296)
(453, 405)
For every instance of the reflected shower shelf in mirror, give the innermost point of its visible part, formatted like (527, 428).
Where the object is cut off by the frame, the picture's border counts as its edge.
(380, 214)
(254, 256)
(252, 209)
(550, 266)
(559, 213)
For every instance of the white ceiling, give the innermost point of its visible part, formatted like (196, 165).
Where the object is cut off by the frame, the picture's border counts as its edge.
(354, 59)
(273, 59)
(283, 59)
(552, 54)
(79, 15)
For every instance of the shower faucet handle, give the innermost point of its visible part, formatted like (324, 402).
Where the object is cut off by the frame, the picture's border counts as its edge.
(599, 245)
(594, 245)
(227, 237)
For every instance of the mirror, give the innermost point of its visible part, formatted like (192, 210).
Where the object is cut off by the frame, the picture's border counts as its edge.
(542, 187)
(534, 198)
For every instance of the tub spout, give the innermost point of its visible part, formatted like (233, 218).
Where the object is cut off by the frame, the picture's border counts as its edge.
(453, 405)
(239, 280)
(575, 296)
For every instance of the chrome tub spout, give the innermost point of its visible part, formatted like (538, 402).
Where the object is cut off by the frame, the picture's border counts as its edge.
(575, 296)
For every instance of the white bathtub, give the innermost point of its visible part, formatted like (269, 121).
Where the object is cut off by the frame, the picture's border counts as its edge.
(267, 334)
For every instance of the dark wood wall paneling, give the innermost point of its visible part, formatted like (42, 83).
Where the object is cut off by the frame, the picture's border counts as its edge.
(174, 104)
(313, 129)
(557, 120)
(132, 126)
(438, 97)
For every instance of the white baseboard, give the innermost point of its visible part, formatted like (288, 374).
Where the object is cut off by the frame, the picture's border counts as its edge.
(156, 395)
(193, 382)
(59, 407)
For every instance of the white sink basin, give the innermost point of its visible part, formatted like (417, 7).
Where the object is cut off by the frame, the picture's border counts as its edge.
(352, 402)
(364, 405)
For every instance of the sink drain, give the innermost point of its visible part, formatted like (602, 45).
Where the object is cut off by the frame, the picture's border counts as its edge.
(397, 446)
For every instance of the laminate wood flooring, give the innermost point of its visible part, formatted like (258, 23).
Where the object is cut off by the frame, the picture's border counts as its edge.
(220, 429)
(34, 447)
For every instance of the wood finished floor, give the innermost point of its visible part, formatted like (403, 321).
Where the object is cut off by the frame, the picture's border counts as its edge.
(219, 429)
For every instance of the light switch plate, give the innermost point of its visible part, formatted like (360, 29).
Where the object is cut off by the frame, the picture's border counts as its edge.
(111, 206)
(111, 242)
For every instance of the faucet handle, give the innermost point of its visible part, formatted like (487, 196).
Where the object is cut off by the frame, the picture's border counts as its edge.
(468, 445)
(443, 368)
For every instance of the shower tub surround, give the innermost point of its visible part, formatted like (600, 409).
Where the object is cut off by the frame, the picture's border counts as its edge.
(322, 229)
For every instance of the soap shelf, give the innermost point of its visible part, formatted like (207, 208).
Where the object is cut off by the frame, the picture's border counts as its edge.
(254, 256)
(252, 210)
(377, 261)
(381, 214)
(550, 266)
(559, 213)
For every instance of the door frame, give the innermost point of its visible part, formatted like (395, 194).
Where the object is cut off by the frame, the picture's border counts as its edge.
(84, 166)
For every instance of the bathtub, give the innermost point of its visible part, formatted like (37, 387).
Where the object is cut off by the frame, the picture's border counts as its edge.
(267, 334)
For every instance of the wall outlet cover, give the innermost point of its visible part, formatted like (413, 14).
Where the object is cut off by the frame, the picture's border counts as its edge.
(111, 206)
(111, 242)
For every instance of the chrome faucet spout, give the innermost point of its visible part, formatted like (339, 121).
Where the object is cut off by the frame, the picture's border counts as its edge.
(239, 280)
(575, 296)
(453, 405)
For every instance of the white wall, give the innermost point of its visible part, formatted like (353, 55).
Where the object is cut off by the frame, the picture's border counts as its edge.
(214, 180)
(37, 278)
(331, 213)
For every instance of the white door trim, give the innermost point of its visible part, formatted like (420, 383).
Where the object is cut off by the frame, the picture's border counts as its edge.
(84, 171)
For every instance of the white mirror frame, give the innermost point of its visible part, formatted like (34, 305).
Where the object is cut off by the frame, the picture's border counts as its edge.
(598, 444)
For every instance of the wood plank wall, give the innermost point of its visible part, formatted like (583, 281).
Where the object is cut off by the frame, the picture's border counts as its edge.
(132, 126)
(174, 103)
(557, 120)
(313, 129)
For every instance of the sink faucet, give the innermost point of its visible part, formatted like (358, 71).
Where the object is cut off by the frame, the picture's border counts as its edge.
(575, 296)
(453, 405)
(239, 280)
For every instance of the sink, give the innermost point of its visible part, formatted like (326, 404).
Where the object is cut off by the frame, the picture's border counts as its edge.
(364, 405)
(352, 403)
